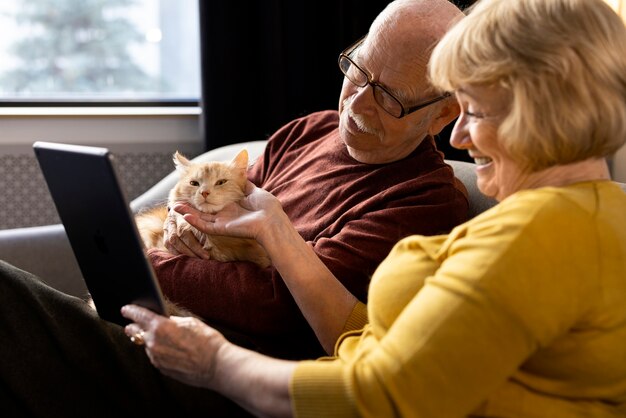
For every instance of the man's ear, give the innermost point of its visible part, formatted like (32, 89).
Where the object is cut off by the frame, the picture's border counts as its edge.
(448, 111)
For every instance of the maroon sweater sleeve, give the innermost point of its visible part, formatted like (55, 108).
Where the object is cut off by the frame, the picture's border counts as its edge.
(350, 213)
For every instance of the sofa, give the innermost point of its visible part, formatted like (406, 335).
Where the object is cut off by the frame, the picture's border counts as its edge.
(46, 252)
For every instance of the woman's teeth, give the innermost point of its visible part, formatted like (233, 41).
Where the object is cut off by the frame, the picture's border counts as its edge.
(482, 160)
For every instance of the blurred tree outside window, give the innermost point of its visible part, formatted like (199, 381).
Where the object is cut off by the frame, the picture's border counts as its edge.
(99, 50)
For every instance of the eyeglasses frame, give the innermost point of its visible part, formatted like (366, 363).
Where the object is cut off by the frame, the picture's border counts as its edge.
(345, 54)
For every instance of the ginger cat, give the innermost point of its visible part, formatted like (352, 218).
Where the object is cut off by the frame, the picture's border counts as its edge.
(208, 187)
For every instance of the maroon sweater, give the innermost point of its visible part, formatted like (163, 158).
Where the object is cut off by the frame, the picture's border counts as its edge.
(349, 212)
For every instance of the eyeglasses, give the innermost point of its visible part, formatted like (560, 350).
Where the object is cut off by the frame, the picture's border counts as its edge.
(383, 97)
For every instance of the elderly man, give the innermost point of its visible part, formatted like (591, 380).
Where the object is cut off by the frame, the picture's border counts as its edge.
(352, 182)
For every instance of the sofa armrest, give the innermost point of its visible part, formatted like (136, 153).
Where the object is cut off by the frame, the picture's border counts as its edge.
(44, 251)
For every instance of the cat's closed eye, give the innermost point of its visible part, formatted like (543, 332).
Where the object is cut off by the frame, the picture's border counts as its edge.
(220, 182)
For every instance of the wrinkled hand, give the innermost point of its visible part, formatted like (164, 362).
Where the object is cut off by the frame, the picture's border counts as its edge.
(182, 348)
(180, 240)
(248, 218)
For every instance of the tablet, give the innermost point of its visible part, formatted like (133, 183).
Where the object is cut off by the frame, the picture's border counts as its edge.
(100, 227)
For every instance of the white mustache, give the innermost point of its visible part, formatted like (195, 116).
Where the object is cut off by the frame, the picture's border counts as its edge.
(358, 119)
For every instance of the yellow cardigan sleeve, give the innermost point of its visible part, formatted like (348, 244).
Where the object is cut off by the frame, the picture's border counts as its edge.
(357, 319)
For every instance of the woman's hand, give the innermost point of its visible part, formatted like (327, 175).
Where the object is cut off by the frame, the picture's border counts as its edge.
(182, 348)
(251, 217)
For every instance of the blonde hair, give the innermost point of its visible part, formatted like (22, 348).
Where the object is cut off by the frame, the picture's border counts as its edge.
(564, 61)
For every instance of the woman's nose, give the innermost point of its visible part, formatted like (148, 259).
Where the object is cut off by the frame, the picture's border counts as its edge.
(460, 137)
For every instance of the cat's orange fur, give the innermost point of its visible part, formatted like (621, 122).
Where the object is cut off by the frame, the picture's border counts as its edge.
(207, 187)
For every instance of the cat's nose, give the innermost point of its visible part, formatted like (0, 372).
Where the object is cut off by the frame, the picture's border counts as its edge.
(205, 194)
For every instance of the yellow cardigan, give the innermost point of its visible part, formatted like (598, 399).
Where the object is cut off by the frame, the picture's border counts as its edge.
(520, 312)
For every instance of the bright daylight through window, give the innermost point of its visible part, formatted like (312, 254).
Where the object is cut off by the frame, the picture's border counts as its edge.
(99, 50)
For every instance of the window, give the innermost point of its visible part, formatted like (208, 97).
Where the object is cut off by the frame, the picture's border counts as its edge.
(100, 51)
(619, 6)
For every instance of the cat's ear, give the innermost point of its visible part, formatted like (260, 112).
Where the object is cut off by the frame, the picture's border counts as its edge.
(241, 159)
(180, 162)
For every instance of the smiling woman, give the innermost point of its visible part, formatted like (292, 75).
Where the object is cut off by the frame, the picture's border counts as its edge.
(539, 115)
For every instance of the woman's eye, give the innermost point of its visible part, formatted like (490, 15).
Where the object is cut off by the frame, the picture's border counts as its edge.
(220, 182)
(194, 183)
(475, 115)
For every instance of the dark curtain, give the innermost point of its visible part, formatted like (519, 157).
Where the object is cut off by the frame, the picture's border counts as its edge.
(463, 4)
(266, 62)
(443, 142)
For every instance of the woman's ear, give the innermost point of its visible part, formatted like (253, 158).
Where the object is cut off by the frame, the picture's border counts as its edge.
(448, 112)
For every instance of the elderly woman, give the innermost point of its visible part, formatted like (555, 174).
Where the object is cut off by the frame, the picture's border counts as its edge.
(520, 311)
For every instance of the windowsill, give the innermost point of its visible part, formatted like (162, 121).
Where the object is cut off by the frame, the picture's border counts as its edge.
(100, 111)
(152, 126)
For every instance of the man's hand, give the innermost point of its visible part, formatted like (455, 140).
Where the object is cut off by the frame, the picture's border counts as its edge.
(180, 240)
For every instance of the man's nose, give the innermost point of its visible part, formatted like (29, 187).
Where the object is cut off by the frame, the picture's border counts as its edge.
(363, 98)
